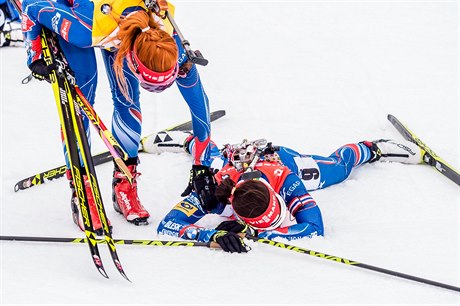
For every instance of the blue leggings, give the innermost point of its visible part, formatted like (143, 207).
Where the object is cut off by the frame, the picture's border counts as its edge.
(317, 172)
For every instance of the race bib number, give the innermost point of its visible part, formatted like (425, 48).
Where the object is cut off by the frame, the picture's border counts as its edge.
(187, 208)
(308, 172)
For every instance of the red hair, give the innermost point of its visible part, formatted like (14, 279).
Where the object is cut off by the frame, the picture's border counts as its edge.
(155, 48)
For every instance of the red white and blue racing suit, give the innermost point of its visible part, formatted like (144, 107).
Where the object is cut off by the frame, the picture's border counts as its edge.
(82, 25)
(291, 177)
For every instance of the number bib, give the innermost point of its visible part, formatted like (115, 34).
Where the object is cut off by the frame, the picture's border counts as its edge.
(308, 172)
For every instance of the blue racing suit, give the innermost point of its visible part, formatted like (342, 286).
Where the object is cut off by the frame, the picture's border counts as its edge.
(9, 12)
(82, 25)
(304, 172)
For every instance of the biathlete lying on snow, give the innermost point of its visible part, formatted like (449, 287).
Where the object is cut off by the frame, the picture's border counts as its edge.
(263, 189)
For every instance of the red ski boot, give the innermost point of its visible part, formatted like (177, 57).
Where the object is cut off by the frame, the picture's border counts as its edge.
(125, 198)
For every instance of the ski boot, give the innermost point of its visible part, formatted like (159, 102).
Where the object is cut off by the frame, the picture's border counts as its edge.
(125, 197)
(386, 150)
(167, 141)
(10, 36)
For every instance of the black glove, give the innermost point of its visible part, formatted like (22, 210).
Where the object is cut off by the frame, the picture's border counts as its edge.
(237, 226)
(203, 182)
(230, 242)
(41, 71)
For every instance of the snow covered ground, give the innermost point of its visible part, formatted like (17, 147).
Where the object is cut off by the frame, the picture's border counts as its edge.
(312, 75)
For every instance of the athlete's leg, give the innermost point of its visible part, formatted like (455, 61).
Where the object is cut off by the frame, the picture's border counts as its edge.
(338, 166)
(317, 172)
(189, 84)
(127, 116)
(126, 128)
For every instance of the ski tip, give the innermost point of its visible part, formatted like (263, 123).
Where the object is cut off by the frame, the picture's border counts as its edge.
(126, 277)
(103, 273)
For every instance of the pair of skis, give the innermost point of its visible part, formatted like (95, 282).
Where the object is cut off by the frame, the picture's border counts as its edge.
(70, 102)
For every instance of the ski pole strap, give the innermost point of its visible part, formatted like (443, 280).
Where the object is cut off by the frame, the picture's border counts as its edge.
(350, 262)
(27, 79)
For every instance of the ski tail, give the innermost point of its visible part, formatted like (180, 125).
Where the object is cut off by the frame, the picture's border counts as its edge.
(58, 172)
(429, 157)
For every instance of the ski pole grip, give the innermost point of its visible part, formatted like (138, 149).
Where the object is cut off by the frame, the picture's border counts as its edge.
(194, 56)
(197, 58)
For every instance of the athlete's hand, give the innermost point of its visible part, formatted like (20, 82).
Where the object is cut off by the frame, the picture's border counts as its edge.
(203, 183)
(237, 226)
(230, 242)
(163, 5)
(40, 70)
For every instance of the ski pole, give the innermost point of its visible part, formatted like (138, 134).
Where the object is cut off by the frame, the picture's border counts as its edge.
(119, 155)
(163, 243)
(194, 56)
(350, 262)
(170, 243)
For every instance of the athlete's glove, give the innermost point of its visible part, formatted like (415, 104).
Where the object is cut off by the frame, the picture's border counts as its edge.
(237, 226)
(230, 242)
(162, 4)
(203, 182)
(40, 70)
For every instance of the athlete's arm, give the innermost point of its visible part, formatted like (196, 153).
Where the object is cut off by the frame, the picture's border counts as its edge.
(303, 207)
(180, 221)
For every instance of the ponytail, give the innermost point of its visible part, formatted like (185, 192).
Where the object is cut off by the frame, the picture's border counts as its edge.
(155, 48)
